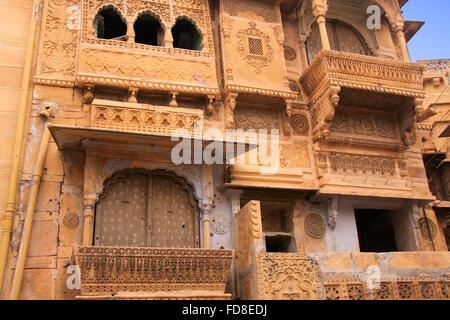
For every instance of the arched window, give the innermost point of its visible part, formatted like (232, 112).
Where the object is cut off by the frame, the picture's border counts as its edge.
(186, 35)
(148, 30)
(342, 37)
(141, 208)
(108, 24)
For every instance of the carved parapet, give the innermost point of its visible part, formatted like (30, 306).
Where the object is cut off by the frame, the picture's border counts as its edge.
(349, 70)
(115, 270)
(145, 118)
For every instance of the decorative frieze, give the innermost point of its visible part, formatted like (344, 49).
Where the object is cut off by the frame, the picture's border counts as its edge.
(248, 118)
(360, 164)
(400, 289)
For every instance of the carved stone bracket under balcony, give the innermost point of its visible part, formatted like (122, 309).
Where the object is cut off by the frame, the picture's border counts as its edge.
(152, 272)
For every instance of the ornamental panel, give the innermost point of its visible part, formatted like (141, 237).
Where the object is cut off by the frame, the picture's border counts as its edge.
(113, 270)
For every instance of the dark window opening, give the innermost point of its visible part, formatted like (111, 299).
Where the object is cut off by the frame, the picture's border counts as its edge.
(109, 25)
(186, 36)
(148, 31)
(375, 231)
(280, 243)
(277, 226)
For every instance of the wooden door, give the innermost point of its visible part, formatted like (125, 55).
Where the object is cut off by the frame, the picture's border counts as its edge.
(141, 210)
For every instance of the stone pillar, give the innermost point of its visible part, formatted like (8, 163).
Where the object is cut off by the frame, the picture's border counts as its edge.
(168, 38)
(303, 52)
(206, 203)
(320, 8)
(89, 211)
(205, 223)
(398, 29)
(130, 32)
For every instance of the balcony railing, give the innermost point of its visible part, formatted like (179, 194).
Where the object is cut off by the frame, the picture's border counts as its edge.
(145, 118)
(362, 72)
(436, 65)
(118, 270)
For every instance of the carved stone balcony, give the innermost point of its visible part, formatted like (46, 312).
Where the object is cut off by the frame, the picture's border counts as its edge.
(391, 88)
(362, 72)
(116, 63)
(151, 273)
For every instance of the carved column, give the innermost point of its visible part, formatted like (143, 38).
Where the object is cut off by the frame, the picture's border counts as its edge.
(320, 9)
(130, 32)
(303, 52)
(168, 39)
(398, 29)
(206, 203)
(90, 200)
(206, 210)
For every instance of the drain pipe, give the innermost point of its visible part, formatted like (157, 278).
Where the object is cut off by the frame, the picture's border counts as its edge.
(46, 110)
(10, 212)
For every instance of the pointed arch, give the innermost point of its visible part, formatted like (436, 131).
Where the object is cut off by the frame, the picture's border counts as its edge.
(186, 34)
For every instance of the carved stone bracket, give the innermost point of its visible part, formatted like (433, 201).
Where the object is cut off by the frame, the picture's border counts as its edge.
(324, 111)
(230, 106)
(173, 102)
(132, 93)
(332, 212)
(88, 95)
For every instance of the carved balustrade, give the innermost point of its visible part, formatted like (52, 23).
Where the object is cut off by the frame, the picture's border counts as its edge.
(118, 270)
(436, 65)
(334, 68)
(145, 118)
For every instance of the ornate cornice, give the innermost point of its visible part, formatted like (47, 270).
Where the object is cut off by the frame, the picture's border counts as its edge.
(54, 82)
(82, 80)
(260, 91)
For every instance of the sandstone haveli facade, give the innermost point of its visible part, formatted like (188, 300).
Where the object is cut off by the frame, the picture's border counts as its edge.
(93, 91)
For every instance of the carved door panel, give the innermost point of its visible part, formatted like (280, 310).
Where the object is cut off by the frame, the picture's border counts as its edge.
(142, 210)
(347, 40)
(341, 37)
(121, 217)
(173, 218)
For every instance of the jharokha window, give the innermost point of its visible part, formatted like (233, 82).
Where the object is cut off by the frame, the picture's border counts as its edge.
(108, 24)
(186, 35)
(147, 209)
(148, 30)
(342, 37)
